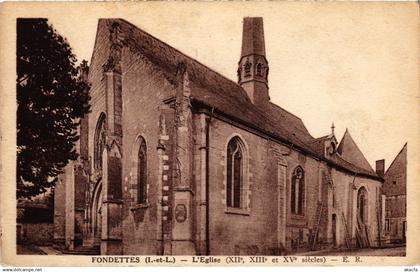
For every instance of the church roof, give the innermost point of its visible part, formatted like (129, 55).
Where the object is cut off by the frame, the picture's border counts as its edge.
(318, 144)
(225, 96)
(350, 152)
(253, 37)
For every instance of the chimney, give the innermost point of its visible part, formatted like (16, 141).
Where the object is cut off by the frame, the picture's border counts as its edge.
(253, 65)
(380, 167)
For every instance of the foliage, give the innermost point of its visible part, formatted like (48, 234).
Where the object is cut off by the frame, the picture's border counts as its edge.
(51, 98)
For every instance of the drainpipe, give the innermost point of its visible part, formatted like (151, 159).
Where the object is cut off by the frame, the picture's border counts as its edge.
(203, 185)
(353, 213)
(378, 210)
(208, 122)
(207, 186)
(205, 174)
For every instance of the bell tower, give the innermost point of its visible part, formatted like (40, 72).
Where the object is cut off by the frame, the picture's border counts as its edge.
(253, 65)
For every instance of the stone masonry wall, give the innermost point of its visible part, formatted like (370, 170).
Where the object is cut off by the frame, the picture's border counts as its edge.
(396, 176)
(59, 210)
(255, 232)
(299, 226)
(37, 233)
(144, 88)
(346, 204)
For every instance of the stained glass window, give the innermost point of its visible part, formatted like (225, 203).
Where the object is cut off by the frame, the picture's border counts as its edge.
(234, 173)
(297, 191)
(142, 173)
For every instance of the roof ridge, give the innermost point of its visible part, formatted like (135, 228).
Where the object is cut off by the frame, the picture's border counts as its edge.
(360, 169)
(395, 158)
(320, 138)
(341, 144)
(178, 51)
(94, 44)
(285, 110)
(284, 125)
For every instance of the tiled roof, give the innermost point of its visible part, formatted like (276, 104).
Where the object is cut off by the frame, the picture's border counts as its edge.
(318, 144)
(225, 96)
(349, 151)
(402, 153)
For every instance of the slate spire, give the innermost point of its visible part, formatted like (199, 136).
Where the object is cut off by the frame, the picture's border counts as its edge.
(253, 65)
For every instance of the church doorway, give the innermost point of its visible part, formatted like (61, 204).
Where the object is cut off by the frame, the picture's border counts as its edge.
(334, 229)
(97, 214)
(404, 230)
(362, 233)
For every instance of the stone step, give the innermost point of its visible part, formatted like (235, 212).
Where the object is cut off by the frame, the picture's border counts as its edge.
(83, 250)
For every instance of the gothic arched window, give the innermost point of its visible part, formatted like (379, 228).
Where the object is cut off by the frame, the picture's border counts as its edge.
(259, 69)
(142, 173)
(239, 74)
(99, 142)
(362, 204)
(297, 198)
(247, 68)
(235, 173)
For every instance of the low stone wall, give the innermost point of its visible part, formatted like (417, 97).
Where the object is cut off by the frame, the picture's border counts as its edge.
(35, 233)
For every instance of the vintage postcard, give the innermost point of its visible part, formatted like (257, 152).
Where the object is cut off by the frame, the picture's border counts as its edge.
(209, 133)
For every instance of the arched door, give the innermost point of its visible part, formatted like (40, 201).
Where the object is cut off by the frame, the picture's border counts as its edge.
(362, 207)
(97, 214)
(334, 229)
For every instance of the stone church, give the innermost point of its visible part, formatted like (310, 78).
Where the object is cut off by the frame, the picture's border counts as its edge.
(177, 159)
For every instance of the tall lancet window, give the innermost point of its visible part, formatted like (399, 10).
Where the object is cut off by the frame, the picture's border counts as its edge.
(247, 68)
(297, 199)
(235, 173)
(259, 69)
(142, 173)
(99, 142)
(362, 204)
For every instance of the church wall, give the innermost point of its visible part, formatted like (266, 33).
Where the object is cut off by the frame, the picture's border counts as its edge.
(374, 194)
(341, 204)
(98, 106)
(264, 226)
(199, 182)
(59, 210)
(298, 226)
(242, 234)
(98, 83)
(256, 232)
(69, 209)
(143, 90)
(248, 233)
(346, 202)
(97, 93)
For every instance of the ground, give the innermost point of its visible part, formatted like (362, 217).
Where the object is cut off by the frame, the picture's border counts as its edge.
(23, 249)
(28, 250)
(389, 251)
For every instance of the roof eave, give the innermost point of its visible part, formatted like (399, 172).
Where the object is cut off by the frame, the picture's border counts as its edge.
(214, 112)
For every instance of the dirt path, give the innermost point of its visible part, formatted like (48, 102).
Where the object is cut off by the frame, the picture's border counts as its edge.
(390, 251)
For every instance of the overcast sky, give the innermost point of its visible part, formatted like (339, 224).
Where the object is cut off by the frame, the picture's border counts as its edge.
(354, 64)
